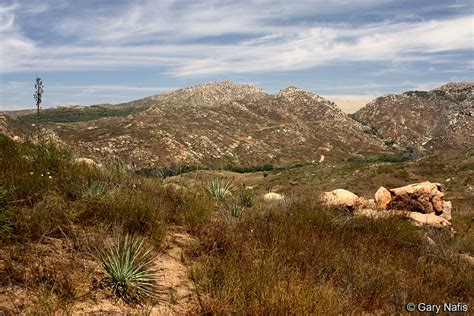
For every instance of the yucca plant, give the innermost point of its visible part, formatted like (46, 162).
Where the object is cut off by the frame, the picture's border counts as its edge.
(246, 196)
(219, 189)
(236, 210)
(97, 190)
(129, 267)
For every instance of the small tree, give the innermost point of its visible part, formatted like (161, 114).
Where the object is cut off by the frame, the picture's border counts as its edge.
(38, 96)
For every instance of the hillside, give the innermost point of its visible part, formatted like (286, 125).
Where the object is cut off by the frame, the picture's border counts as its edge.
(218, 123)
(216, 250)
(440, 120)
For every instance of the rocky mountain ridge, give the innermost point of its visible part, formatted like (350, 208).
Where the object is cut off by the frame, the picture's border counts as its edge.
(438, 120)
(222, 123)
(227, 123)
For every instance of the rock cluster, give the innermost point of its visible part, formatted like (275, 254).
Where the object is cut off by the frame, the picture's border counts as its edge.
(422, 202)
(424, 197)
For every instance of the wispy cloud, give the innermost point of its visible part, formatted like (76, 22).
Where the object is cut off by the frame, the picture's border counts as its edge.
(75, 94)
(169, 34)
(192, 41)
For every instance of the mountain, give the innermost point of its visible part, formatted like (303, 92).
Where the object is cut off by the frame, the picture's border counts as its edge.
(440, 120)
(212, 124)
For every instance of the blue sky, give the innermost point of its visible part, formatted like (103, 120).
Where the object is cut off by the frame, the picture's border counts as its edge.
(111, 51)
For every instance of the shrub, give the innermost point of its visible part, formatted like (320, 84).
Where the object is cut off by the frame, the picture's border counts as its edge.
(52, 216)
(129, 267)
(195, 210)
(96, 190)
(246, 196)
(136, 210)
(7, 220)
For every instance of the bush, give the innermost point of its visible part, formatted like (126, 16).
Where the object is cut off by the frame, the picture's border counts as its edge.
(136, 210)
(52, 216)
(195, 211)
(7, 219)
(129, 267)
(246, 197)
(72, 114)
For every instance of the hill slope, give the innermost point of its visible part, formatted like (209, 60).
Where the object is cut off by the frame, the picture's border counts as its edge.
(221, 123)
(438, 120)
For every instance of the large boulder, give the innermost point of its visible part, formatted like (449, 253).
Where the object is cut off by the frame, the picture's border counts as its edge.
(173, 187)
(341, 197)
(382, 198)
(88, 162)
(428, 219)
(273, 197)
(466, 257)
(424, 197)
(447, 206)
(418, 219)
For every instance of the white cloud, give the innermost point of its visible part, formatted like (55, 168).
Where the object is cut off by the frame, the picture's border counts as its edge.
(274, 37)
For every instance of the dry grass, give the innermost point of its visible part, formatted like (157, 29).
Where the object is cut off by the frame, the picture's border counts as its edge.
(47, 202)
(287, 258)
(301, 259)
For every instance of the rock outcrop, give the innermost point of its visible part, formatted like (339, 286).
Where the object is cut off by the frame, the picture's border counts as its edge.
(341, 197)
(440, 120)
(88, 162)
(382, 198)
(428, 219)
(422, 202)
(425, 197)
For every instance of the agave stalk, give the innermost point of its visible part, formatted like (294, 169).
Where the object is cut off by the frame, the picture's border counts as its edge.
(38, 95)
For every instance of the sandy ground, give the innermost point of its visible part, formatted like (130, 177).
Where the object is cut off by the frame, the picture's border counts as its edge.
(176, 292)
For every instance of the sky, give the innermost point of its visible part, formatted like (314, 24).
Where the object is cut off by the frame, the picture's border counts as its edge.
(112, 51)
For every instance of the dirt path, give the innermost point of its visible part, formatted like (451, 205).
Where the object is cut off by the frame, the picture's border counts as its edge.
(177, 293)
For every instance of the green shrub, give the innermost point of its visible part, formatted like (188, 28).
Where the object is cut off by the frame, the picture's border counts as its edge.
(136, 210)
(96, 190)
(7, 219)
(246, 197)
(52, 216)
(72, 114)
(129, 267)
(196, 210)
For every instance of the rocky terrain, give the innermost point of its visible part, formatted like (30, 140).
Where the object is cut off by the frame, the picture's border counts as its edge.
(440, 120)
(218, 123)
(227, 123)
